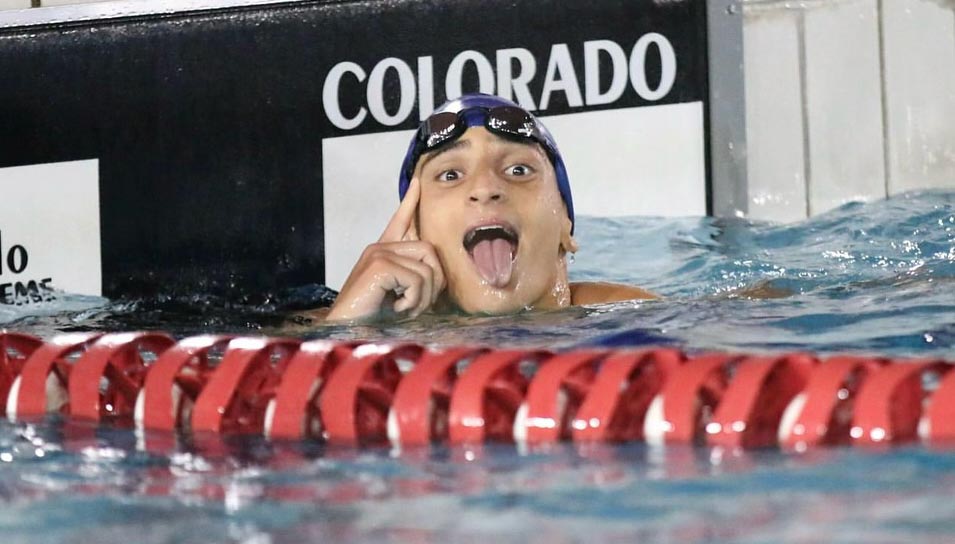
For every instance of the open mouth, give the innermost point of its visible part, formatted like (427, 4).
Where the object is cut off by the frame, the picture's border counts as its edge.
(493, 249)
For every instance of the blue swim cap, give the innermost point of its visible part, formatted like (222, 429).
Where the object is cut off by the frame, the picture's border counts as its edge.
(473, 108)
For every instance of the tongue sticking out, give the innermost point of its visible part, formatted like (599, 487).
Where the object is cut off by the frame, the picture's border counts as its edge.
(493, 260)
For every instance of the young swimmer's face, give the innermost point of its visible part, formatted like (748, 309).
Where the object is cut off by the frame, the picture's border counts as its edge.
(491, 208)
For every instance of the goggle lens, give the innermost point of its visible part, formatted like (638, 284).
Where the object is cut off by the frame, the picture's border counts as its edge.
(446, 126)
(511, 120)
(440, 128)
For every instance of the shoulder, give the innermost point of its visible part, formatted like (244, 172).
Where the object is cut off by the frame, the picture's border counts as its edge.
(597, 292)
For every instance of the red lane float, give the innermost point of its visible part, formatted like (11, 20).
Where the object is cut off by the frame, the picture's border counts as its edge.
(366, 393)
(752, 406)
(236, 396)
(41, 387)
(822, 413)
(354, 408)
(15, 348)
(488, 395)
(888, 408)
(293, 413)
(940, 416)
(615, 410)
(175, 381)
(419, 411)
(688, 399)
(554, 397)
(105, 382)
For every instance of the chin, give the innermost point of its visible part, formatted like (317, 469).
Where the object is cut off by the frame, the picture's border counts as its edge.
(496, 302)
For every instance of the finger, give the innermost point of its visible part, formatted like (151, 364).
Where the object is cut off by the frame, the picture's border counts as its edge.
(411, 235)
(418, 296)
(391, 276)
(404, 216)
(424, 252)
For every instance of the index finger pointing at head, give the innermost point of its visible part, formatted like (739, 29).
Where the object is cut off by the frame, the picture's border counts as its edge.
(404, 216)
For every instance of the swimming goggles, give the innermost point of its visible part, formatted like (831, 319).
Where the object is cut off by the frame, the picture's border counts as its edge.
(441, 128)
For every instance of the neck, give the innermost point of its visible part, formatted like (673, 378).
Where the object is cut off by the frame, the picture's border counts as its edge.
(559, 296)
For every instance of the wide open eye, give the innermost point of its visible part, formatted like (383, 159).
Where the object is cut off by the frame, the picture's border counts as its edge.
(449, 175)
(519, 170)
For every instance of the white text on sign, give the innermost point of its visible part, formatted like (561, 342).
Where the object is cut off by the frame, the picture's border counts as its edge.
(560, 77)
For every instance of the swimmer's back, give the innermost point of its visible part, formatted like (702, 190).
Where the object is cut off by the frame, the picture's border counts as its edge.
(598, 292)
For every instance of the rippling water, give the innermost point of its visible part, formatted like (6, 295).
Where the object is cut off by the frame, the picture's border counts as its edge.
(871, 277)
(865, 277)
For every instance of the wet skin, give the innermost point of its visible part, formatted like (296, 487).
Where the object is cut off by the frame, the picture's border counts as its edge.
(426, 258)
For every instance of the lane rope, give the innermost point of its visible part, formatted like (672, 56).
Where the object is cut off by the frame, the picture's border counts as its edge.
(408, 394)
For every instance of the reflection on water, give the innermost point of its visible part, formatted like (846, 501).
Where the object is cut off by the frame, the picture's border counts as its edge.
(68, 482)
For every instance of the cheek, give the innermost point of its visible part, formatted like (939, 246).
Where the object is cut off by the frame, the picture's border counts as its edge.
(436, 225)
(430, 218)
(426, 224)
(552, 196)
(548, 212)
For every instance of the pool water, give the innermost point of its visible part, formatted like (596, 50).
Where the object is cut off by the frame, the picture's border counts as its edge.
(873, 278)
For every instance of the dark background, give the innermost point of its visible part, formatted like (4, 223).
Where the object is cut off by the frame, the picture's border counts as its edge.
(208, 125)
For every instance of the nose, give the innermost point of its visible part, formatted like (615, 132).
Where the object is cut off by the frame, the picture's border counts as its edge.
(487, 187)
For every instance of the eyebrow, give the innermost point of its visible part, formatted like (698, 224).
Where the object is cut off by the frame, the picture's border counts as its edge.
(459, 144)
(455, 145)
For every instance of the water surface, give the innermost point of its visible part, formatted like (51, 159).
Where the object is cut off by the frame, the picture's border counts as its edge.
(874, 278)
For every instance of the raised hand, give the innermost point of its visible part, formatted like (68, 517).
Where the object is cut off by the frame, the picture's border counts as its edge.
(399, 269)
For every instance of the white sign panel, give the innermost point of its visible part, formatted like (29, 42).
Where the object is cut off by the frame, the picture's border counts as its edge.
(49, 231)
(629, 161)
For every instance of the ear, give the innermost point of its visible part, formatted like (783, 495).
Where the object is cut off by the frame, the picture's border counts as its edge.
(567, 242)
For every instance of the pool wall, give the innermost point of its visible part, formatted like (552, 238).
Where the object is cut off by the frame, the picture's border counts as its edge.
(846, 100)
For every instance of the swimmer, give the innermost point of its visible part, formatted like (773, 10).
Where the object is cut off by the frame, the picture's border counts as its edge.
(484, 226)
